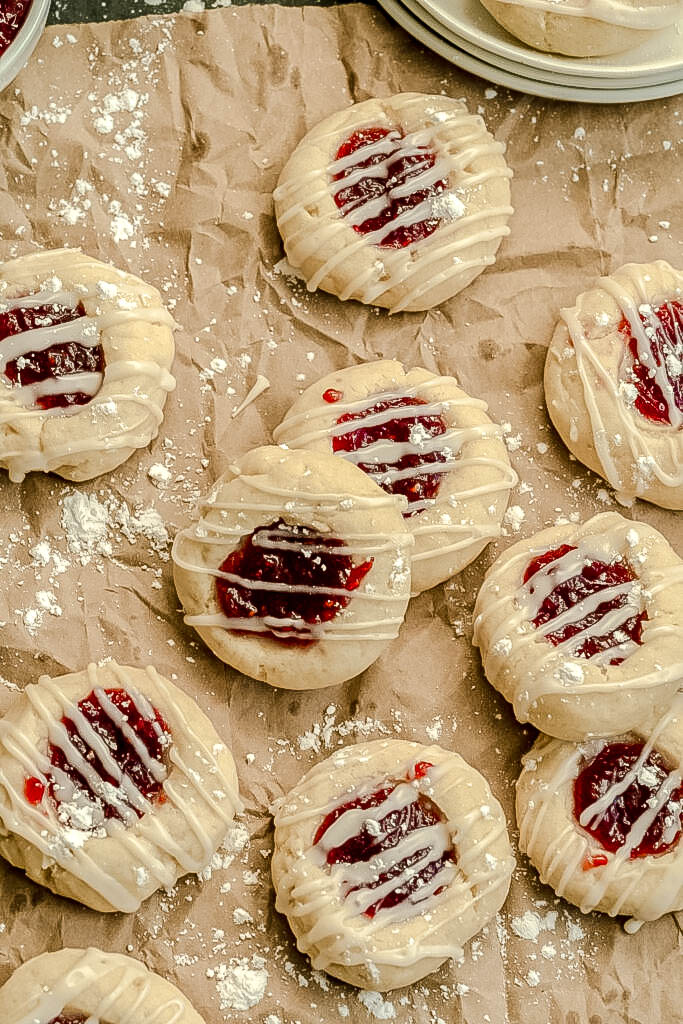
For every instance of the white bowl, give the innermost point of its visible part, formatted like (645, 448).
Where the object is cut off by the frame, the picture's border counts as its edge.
(24, 43)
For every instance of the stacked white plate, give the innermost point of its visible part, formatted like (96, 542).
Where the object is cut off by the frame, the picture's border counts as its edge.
(464, 33)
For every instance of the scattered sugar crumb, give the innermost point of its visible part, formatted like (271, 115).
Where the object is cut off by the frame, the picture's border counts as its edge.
(377, 1005)
(159, 475)
(514, 517)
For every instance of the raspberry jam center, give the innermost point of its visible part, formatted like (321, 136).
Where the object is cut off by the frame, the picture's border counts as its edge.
(594, 626)
(32, 369)
(394, 813)
(403, 452)
(69, 1018)
(286, 579)
(108, 763)
(12, 17)
(656, 371)
(394, 199)
(611, 827)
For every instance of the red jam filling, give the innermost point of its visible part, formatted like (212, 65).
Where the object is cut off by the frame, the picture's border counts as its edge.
(394, 827)
(12, 17)
(34, 790)
(151, 732)
(69, 1018)
(56, 361)
(665, 332)
(403, 162)
(413, 430)
(594, 860)
(612, 829)
(297, 557)
(593, 577)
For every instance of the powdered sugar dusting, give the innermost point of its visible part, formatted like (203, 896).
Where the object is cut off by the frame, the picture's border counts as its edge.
(240, 983)
(92, 526)
(329, 732)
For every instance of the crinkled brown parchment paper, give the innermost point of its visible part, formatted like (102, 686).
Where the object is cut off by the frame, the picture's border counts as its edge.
(156, 144)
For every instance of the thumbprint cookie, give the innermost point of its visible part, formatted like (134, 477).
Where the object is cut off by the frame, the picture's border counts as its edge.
(297, 572)
(583, 28)
(419, 436)
(614, 381)
(602, 820)
(113, 784)
(581, 627)
(87, 986)
(397, 202)
(389, 856)
(85, 359)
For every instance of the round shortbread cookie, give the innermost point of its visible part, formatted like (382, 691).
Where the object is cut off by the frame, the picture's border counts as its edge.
(602, 820)
(614, 381)
(85, 361)
(383, 907)
(113, 784)
(580, 627)
(583, 28)
(398, 202)
(87, 986)
(298, 571)
(417, 435)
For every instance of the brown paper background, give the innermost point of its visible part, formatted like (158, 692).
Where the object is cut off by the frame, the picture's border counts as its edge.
(224, 97)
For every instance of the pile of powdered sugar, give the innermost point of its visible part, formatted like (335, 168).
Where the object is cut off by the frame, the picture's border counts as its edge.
(93, 526)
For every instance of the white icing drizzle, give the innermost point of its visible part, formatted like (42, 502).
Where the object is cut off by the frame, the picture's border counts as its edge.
(17, 402)
(339, 932)
(634, 430)
(41, 298)
(614, 12)
(413, 178)
(432, 841)
(342, 628)
(454, 238)
(521, 606)
(261, 384)
(83, 330)
(571, 845)
(127, 796)
(91, 972)
(86, 382)
(74, 847)
(542, 584)
(299, 430)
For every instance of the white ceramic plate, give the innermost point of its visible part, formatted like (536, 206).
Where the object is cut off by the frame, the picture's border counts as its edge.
(467, 18)
(24, 43)
(548, 90)
(420, 9)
